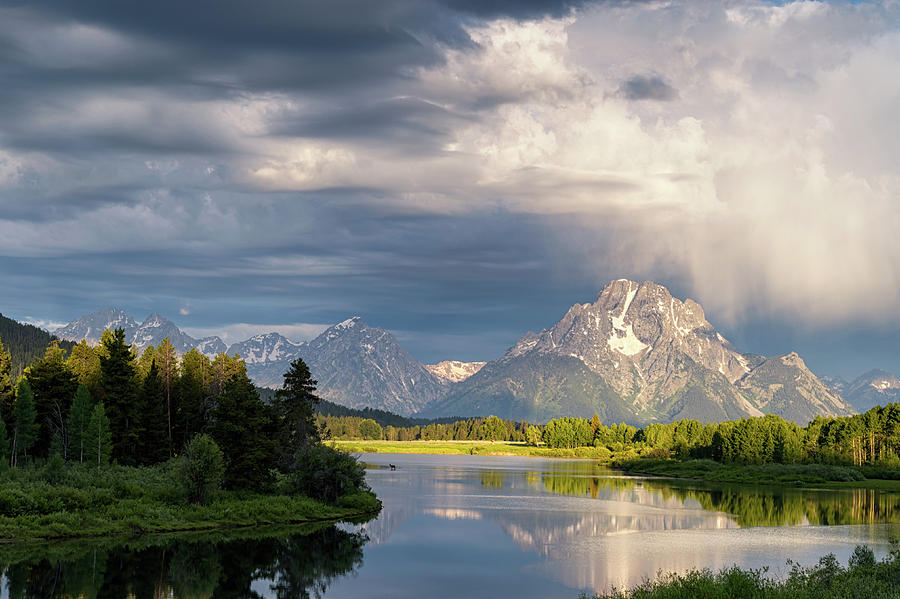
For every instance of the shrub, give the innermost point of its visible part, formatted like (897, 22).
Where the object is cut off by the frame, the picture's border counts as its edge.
(324, 473)
(202, 468)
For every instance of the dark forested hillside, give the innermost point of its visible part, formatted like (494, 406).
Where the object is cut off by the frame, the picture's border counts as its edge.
(25, 342)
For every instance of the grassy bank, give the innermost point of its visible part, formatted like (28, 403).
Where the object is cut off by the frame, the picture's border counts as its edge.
(499, 448)
(864, 577)
(80, 501)
(799, 475)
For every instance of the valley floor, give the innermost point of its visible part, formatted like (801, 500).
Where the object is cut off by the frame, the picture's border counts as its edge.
(797, 475)
(498, 448)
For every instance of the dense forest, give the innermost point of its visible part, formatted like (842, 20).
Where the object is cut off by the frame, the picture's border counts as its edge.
(103, 404)
(24, 343)
(870, 438)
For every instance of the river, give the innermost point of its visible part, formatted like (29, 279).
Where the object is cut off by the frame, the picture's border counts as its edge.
(477, 526)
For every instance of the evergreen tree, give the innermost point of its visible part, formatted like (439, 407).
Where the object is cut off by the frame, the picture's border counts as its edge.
(7, 393)
(142, 364)
(242, 427)
(54, 386)
(167, 362)
(79, 419)
(84, 363)
(153, 440)
(295, 405)
(25, 431)
(98, 442)
(118, 391)
(192, 397)
(4, 446)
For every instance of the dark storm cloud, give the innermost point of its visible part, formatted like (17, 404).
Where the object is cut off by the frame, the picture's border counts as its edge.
(403, 121)
(647, 87)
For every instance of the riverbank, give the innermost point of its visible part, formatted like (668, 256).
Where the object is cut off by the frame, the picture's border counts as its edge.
(84, 503)
(797, 475)
(495, 448)
(864, 576)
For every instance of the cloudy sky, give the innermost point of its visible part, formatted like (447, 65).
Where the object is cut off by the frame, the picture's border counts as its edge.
(456, 171)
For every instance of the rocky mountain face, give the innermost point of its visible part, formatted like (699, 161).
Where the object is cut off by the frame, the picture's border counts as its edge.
(874, 388)
(91, 326)
(361, 366)
(268, 357)
(640, 355)
(152, 331)
(454, 371)
(156, 328)
(783, 385)
(637, 354)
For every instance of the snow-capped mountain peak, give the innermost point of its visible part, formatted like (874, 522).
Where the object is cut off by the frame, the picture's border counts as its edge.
(265, 348)
(91, 326)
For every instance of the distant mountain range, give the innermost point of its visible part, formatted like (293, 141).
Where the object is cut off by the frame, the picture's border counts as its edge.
(636, 354)
(874, 388)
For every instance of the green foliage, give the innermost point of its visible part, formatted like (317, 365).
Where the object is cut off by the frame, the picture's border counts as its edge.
(242, 426)
(324, 473)
(98, 440)
(55, 470)
(7, 392)
(568, 432)
(369, 429)
(202, 469)
(295, 405)
(25, 427)
(25, 343)
(54, 387)
(152, 420)
(863, 577)
(79, 419)
(4, 446)
(84, 363)
(118, 391)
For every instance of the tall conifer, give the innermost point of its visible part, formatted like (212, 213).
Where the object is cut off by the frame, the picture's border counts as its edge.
(153, 440)
(118, 384)
(79, 419)
(25, 431)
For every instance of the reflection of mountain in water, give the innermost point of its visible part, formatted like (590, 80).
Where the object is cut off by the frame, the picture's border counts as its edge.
(301, 565)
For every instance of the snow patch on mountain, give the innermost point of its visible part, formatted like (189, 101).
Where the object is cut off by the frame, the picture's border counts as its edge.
(454, 371)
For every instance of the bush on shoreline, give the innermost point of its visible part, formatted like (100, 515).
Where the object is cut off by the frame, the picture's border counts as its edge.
(864, 577)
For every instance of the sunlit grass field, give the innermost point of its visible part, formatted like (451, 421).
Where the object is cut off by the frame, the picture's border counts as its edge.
(470, 448)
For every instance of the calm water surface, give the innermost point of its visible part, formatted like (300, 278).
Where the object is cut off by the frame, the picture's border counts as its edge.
(474, 526)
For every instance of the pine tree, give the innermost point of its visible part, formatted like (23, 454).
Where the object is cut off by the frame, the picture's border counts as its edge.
(4, 445)
(153, 440)
(167, 362)
(242, 427)
(79, 419)
(7, 392)
(118, 386)
(192, 397)
(54, 386)
(295, 405)
(84, 362)
(26, 428)
(98, 443)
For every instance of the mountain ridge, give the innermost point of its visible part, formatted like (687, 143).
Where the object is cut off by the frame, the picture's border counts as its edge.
(635, 354)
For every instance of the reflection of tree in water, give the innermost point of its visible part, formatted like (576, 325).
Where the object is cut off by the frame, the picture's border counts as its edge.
(303, 565)
(492, 478)
(784, 507)
(770, 506)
